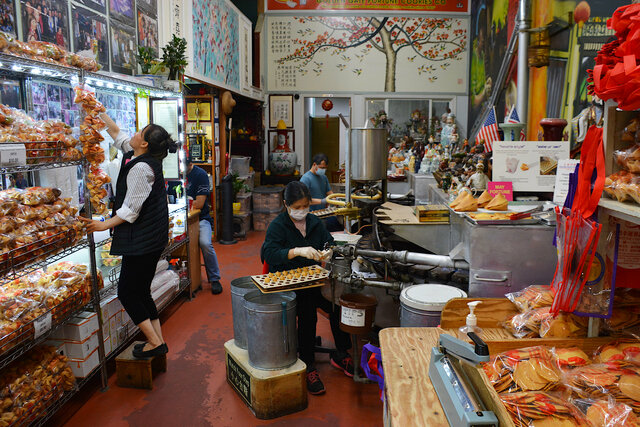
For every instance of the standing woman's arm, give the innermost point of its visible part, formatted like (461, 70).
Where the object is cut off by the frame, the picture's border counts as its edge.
(120, 141)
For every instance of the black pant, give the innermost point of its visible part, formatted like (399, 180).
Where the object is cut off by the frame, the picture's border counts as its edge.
(307, 301)
(134, 286)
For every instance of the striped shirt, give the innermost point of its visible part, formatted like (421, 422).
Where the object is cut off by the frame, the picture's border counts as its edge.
(139, 182)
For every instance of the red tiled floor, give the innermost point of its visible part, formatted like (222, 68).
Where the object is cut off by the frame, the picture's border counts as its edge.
(194, 391)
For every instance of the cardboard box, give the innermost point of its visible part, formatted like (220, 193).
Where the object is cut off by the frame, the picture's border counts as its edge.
(83, 367)
(115, 341)
(108, 348)
(78, 328)
(106, 328)
(82, 349)
(114, 306)
(112, 323)
(105, 305)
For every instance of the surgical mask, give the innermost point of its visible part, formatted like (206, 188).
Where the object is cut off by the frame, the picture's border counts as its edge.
(298, 214)
(321, 171)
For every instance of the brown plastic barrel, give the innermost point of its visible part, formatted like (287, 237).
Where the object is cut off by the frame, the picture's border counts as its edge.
(354, 308)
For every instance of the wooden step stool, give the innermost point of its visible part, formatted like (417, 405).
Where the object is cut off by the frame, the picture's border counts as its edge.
(138, 373)
(269, 394)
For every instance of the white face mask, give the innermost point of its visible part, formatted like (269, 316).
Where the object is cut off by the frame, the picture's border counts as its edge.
(298, 214)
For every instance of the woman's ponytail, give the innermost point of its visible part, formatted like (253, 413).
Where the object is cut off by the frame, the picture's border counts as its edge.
(159, 141)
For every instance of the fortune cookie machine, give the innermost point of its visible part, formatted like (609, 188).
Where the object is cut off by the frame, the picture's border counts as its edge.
(365, 174)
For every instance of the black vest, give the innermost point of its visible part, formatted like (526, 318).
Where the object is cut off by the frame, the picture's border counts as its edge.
(150, 231)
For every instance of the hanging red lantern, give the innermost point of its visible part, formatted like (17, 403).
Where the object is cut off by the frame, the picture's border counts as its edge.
(327, 105)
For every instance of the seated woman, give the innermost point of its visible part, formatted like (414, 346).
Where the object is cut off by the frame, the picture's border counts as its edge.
(294, 239)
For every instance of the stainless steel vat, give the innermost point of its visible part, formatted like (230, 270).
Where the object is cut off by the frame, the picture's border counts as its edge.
(239, 288)
(368, 154)
(272, 337)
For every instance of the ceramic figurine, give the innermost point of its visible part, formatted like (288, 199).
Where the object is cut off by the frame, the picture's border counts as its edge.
(478, 181)
(449, 134)
(282, 161)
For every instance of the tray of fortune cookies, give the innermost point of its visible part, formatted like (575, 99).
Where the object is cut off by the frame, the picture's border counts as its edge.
(288, 280)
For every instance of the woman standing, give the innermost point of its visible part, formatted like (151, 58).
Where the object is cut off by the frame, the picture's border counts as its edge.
(294, 239)
(140, 222)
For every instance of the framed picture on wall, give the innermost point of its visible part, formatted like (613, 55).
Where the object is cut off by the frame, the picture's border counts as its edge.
(8, 17)
(46, 20)
(97, 5)
(280, 108)
(122, 10)
(123, 46)
(89, 26)
(149, 6)
(147, 31)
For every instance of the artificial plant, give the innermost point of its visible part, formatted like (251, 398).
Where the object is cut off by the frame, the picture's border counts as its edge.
(173, 56)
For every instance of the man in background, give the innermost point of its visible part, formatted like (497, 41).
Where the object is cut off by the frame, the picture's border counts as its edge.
(199, 190)
(318, 183)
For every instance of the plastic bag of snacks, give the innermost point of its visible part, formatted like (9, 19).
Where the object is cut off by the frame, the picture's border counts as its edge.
(527, 324)
(623, 350)
(563, 325)
(623, 186)
(541, 409)
(600, 381)
(629, 159)
(571, 357)
(524, 369)
(606, 413)
(531, 297)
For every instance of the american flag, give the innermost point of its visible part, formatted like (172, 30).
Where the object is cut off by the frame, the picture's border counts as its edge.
(489, 131)
(514, 118)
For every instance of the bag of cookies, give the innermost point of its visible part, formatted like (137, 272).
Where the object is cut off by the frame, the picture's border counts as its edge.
(526, 369)
(532, 297)
(542, 409)
(606, 413)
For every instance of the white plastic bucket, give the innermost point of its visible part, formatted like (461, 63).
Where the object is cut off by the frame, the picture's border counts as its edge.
(421, 305)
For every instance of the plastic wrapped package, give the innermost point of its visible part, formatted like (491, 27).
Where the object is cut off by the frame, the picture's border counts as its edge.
(623, 186)
(571, 357)
(564, 325)
(618, 380)
(538, 409)
(31, 384)
(162, 265)
(532, 297)
(165, 277)
(627, 350)
(606, 413)
(527, 324)
(526, 369)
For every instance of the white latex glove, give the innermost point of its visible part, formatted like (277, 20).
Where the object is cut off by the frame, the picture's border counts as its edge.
(326, 254)
(308, 252)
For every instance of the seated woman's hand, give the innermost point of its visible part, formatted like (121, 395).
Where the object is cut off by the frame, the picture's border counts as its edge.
(308, 252)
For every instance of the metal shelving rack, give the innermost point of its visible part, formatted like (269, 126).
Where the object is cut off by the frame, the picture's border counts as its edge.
(26, 69)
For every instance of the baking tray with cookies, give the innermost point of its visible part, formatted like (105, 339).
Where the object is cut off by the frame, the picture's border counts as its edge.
(291, 280)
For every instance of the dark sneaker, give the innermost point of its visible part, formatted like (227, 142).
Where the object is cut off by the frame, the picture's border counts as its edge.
(216, 287)
(344, 363)
(314, 385)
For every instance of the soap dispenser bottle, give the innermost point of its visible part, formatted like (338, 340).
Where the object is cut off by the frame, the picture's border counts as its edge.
(472, 322)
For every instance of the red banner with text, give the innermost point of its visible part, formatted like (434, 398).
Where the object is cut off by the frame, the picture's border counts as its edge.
(446, 6)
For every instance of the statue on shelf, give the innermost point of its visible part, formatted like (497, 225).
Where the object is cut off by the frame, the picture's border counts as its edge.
(282, 160)
(449, 134)
(478, 181)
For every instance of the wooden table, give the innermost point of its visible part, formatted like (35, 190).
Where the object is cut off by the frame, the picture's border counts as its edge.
(410, 397)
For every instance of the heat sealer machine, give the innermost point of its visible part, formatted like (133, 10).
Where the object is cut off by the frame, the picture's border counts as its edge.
(460, 402)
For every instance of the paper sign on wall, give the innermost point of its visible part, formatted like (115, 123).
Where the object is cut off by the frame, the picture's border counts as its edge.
(565, 168)
(529, 165)
(504, 187)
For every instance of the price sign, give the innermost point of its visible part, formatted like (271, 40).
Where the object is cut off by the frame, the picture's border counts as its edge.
(42, 325)
(13, 155)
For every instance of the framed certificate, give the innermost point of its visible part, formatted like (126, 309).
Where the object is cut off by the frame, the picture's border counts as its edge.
(281, 108)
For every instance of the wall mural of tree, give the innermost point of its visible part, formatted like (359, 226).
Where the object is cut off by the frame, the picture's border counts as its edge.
(427, 47)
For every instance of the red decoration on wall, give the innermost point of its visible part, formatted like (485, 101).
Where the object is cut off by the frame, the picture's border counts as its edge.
(327, 105)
